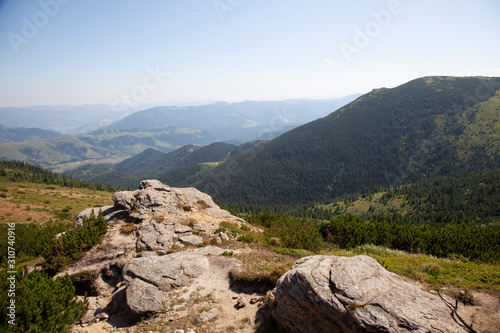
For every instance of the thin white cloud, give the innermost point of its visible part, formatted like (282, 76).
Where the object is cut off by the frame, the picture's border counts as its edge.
(490, 71)
(328, 61)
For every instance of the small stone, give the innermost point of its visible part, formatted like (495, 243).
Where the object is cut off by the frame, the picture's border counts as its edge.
(179, 331)
(224, 236)
(240, 303)
(256, 300)
(102, 316)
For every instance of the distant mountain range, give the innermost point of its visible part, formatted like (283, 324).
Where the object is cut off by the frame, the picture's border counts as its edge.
(64, 119)
(19, 134)
(67, 119)
(236, 122)
(162, 128)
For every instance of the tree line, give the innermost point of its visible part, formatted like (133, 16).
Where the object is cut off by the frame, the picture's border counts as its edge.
(20, 171)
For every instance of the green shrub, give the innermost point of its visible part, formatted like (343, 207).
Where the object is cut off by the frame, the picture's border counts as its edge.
(71, 246)
(42, 304)
(32, 240)
(476, 243)
(292, 232)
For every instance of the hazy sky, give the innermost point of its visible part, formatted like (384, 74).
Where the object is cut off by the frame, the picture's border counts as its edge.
(129, 51)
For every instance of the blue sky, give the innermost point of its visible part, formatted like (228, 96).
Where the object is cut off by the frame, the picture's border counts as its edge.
(116, 52)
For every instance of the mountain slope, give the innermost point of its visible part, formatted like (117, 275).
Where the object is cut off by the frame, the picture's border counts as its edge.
(151, 161)
(19, 134)
(426, 127)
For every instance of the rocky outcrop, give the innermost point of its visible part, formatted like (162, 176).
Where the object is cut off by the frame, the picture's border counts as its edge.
(342, 294)
(154, 199)
(143, 297)
(163, 217)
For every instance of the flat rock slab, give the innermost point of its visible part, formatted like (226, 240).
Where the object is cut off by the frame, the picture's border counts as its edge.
(191, 239)
(354, 294)
(108, 212)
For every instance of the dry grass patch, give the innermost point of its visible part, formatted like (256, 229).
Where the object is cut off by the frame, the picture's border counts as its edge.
(261, 266)
(128, 228)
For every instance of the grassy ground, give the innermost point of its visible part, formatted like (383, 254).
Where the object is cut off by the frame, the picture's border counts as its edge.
(40, 203)
(436, 272)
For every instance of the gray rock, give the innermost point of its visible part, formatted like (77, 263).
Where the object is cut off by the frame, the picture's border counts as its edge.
(208, 315)
(152, 235)
(182, 229)
(154, 185)
(143, 297)
(154, 198)
(341, 294)
(153, 274)
(240, 303)
(257, 300)
(124, 200)
(191, 239)
(102, 316)
(108, 212)
(224, 236)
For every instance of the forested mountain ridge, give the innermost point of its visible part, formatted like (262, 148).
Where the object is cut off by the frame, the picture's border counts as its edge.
(427, 127)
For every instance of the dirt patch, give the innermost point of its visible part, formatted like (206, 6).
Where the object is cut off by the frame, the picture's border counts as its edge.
(484, 314)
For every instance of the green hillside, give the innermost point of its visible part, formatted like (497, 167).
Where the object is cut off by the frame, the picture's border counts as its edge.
(152, 161)
(427, 127)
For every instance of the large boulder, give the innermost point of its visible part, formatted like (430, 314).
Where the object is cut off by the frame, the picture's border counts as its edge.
(356, 294)
(143, 298)
(151, 275)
